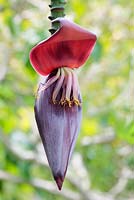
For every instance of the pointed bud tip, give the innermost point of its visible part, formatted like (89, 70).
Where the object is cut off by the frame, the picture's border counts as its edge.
(59, 182)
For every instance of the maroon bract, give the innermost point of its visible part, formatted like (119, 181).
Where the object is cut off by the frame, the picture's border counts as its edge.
(58, 127)
(58, 103)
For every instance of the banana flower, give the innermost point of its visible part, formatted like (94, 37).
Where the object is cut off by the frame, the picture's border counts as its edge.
(58, 106)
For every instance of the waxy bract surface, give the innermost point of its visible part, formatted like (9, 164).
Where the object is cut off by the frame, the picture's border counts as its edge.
(58, 127)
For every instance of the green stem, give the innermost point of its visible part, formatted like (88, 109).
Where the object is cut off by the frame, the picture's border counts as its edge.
(57, 8)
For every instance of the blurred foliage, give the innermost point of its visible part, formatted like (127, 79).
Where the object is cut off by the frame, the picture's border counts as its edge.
(106, 82)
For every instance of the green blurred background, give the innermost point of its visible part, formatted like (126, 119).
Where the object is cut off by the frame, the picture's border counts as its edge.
(102, 166)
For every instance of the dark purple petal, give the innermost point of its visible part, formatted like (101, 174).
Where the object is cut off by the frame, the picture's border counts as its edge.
(58, 127)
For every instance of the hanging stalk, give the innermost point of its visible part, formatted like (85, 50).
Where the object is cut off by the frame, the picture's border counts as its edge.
(57, 8)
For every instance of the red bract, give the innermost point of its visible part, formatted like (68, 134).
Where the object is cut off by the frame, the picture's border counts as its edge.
(70, 46)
